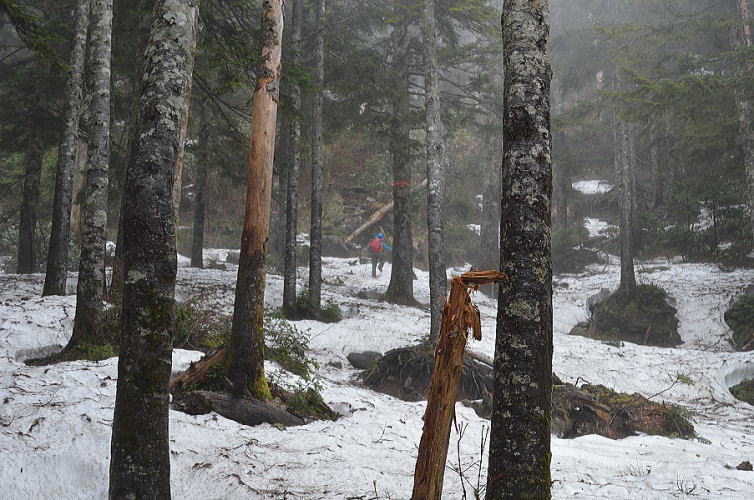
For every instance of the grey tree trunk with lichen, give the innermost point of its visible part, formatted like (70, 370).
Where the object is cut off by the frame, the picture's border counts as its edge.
(87, 324)
(625, 167)
(57, 253)
(246, 348)
(742, 37)
(200, 204)
(315, 238)
(519, 456)
(401, 287)
(140, 457)
(26, 262)
(294, 165)
(436, 160)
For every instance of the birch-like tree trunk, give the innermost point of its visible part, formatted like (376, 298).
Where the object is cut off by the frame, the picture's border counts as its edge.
(57, 253)
(315, 238)
(294, 165)
(625, 170)
(519, 456)
(246, 349)
(200, 207)
(26, 262)
(87, 323)
(140, 450)
(743, 38)
(401, 287)
(436, 160)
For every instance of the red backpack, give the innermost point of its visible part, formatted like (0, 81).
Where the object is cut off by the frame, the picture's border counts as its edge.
(375, 246)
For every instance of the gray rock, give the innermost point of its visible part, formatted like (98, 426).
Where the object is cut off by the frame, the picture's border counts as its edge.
(363, 360)
(597, 299)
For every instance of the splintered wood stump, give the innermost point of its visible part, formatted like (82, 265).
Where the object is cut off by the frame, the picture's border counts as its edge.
(459, 316)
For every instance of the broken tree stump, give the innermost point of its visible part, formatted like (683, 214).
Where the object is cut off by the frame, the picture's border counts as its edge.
(459, 316)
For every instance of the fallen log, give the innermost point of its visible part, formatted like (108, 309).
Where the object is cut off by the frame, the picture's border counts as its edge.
(459, 317)
(246, 411)
(377, 216)
(198, 370)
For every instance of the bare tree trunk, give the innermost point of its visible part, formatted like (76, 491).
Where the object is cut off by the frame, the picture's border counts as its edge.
(436, 160)
(401, 287)
(625, 169)
(489, 231)
(246, 349)
(294, 165)
(145, 7)
(79, 179)
(140, 457)
(87, 324)
(57, 253)
(743, 38)
(200, 208)
(519, 457)
(315, 238)
(459, 317)
(27, 225)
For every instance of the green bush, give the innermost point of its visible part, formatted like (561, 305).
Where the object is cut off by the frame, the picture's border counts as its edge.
(289, 346)
(740, 318)
(641, 317)
(306, 309)
(567, 254)
(744, 391)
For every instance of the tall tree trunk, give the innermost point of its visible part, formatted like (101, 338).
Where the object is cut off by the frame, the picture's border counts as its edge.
(625, 169)
(57, 253)
(743, 38)
(519, 457)
(563, 181)
(401, 287)
(145, 9)
(87, 324)
(27, 225)
(140, 456)
(315, 238)
(436, 160)
(200, 208)
(294, 165)
(489, 231)
(246, 350)
(79, 180)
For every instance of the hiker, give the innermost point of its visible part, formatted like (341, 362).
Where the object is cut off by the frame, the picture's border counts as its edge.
(377, 249)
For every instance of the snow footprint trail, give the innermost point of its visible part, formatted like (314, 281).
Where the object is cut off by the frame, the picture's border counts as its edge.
(56, 424)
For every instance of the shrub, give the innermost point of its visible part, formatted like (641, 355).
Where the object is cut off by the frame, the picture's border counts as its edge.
(288, 345)
(740, 318)
(306, 309)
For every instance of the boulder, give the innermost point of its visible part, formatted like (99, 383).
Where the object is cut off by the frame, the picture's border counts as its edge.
(363, 360)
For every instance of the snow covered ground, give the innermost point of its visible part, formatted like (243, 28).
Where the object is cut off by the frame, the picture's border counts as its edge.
(55, 421)
(592, 187)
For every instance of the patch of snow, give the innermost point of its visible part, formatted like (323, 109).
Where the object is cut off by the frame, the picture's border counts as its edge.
(475, 228)
(592, 187)
(596, 227)
(56, 422)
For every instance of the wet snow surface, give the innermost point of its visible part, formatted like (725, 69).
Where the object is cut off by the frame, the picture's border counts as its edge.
(55, 421)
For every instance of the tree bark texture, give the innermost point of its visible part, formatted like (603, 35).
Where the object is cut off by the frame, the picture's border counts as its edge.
(87, 323)
(246, 354)
(57, 253)
(436, 160)
(519, 456)
(315, 248)
(145, 7)
(459, 317)
(625, 169)
(200, 208)
(26, 262)
(401, 287)
(140, 458)
(294, 166)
